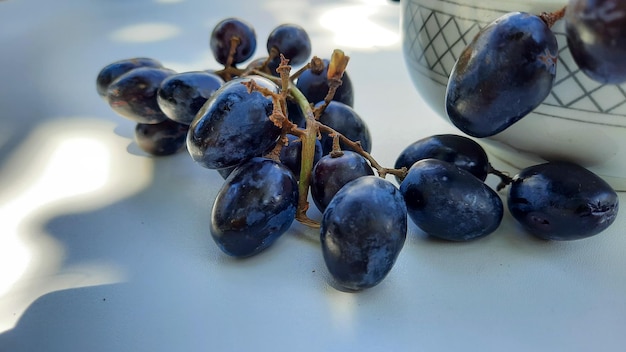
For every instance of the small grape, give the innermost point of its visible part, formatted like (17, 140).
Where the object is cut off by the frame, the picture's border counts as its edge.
(233, 125)
(362, 232)
(163, 138)
(291, 154)
(458, 150)
(502, 75)
(222, 34)
(343, 119)
(332, 172)
(596, 37)
(314, 86)
(450, 203)
(292, 41)
(562, 201)
(112, 71)
(254, 207)
(181, 96)
(133, 95)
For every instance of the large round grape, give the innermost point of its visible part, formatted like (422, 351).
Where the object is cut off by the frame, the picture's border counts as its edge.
(181, 96)
(562, 201)
(450, 203)
(222, 34)
(332, 172)
(112, 71)
(596, 37)
(292, 41)
(362, 232)
(343, 119)
(458, 150)
(254, 207)
(133, 95)
(233, 125)
(502, 75)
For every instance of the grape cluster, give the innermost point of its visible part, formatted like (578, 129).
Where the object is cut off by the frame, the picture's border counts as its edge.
(277, 136)
(509, 68)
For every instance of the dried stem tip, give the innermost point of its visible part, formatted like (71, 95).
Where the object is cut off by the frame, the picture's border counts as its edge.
(337, 65)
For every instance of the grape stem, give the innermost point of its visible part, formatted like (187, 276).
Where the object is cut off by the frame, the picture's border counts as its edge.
(550, 18)
(505, 179)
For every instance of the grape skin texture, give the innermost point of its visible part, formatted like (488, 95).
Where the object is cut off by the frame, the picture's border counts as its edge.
(181, 96)
(221, 40)
(502, 75)
(254, 207)
(292, 41)
(233, 125)
(343, 119)
(450, 203)
(596, 37)
(458, 150)
(562, 201)
(362, 232)
(160, 139)
(112, 71)
(133, 95)
(314, 86)
(331, 173)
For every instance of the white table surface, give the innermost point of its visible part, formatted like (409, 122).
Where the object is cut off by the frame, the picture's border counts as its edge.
(103, 248)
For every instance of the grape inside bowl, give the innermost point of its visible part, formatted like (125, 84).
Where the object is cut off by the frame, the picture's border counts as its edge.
(581, 120)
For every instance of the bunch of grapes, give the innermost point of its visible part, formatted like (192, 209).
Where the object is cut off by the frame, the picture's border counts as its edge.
(277, 137)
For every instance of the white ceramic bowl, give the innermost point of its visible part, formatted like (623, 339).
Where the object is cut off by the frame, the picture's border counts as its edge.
(581, 120)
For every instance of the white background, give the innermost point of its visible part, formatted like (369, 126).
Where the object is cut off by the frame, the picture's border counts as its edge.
(103, 248)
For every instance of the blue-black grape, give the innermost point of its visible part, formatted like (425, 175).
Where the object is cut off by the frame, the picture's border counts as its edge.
(314, 85)
(222, 34)
(450, 203)
(181, 96)
(292, 41)
(596, 37)
(163, 138)
(112, 71)
(343, 119)
(562, 201)
(332, 172)
(134, 94)
(233, 125)
(291, 154)
(502, 75)
(254, 207)
(458, 150)
(362, 232)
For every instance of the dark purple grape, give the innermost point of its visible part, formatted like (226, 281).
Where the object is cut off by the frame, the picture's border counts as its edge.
(254, 207)
(112, 71)
(292, 41)
(362, 232)
(181, 96)
(163, 138)
(450, 203)
(596, 37)
(502, 75)
(562, 201)
(270, 68)
(343, 119)
(133, 95)
(331, 173)
(221, 37)
(458, 150)
(314, 86)
(291, 154)
(233, 125)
